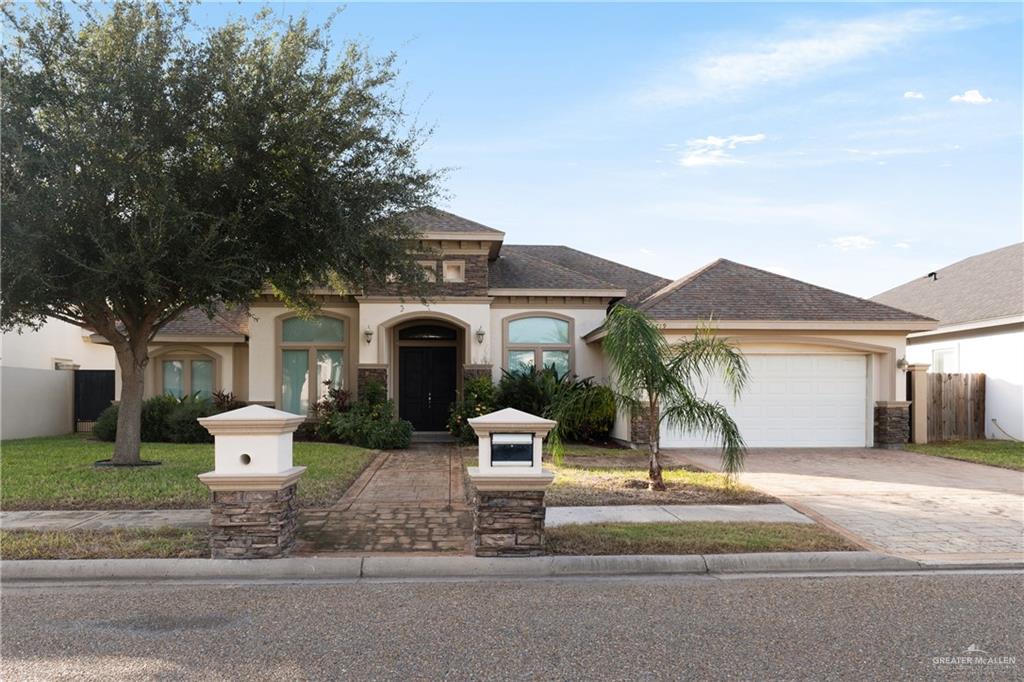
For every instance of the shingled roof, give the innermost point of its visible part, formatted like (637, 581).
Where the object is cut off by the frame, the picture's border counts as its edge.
(436, 220)
(983, 287)
(227, 322)
(617, 275)
(724, 290)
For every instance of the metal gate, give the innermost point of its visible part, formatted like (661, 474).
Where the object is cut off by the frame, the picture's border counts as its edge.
(94, 391)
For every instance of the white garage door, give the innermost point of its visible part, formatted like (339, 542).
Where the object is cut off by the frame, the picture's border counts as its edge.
(794, 401)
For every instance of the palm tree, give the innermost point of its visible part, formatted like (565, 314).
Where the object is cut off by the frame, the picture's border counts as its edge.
(661, 378)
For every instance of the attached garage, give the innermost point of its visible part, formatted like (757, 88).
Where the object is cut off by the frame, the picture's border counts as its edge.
(794, 401)
(827, 368)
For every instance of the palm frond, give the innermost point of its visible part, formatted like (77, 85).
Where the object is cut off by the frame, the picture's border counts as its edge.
(684, 410)
(696, 359)
(637, 351)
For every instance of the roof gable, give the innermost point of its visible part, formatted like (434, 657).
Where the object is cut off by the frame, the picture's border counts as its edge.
(725, 290)
(983, 287)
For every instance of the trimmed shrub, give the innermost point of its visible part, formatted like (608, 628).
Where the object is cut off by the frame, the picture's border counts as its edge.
(105, 427)
(182, 426)
(477, 399)
(532, 390)
(155, 414)
(370, 422)
(585, 411)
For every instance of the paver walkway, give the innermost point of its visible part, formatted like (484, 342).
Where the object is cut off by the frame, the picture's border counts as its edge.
(904, 503)
(407, 500)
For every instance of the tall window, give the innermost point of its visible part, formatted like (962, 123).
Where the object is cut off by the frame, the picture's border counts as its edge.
(184, 376)
(312, 352)
(538, 342)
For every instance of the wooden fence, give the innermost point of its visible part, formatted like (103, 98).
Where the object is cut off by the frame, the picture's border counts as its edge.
(956, 406)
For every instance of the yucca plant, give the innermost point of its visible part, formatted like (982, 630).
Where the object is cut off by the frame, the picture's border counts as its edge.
(662, 379)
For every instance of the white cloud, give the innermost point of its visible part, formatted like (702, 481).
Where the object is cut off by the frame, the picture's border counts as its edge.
(913, 94)
(901, 245)
(971, 97)
(855, 242)
(714, 151)
(808, 50)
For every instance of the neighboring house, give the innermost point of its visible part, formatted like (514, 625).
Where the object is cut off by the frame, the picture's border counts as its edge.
(822, 361)
(38, 371)
(979, 303)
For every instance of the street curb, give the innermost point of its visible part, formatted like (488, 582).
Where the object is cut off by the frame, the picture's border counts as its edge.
(440, 567)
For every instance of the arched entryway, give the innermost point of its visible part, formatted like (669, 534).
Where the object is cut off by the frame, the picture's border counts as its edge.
(427, 357)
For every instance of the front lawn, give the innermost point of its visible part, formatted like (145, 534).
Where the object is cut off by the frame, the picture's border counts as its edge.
(162, 543)
(692, 538)
(1007, 454)
(58, 473)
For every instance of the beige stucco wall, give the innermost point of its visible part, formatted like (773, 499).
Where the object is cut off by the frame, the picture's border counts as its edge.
(381, 316)
(35, 398)
(263, 360)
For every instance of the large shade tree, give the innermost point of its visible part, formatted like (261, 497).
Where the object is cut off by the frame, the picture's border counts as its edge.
(150, 166)
(662, 380)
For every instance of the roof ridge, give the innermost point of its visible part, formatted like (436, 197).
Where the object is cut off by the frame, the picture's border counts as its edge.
(675, 284)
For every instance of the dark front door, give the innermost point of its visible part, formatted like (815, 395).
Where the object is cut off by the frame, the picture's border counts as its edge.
(426, 385)
(94, 391)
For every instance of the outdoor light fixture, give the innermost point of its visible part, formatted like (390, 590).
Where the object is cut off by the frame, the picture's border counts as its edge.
(368, 334)
(480, 333)
(902, 364)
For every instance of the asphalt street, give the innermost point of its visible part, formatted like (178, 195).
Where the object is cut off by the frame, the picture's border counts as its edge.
(702, 628)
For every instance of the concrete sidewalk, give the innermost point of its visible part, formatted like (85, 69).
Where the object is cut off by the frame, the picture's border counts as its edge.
(556, 516)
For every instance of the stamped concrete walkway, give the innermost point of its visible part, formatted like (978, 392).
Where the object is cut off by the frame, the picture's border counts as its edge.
(903, 503)
(405, 501)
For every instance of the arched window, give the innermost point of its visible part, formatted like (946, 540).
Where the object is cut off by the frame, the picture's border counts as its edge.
(538, 342)
(312, 360)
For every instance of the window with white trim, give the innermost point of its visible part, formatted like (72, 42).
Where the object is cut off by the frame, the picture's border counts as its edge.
(538, 342)
(312, 360)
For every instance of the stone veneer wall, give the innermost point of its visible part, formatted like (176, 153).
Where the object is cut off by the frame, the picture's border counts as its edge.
(367, 375)
(640, 426)
(471, 372)
(892, 425)
(253, 524)
(509, 523)
(474, 277)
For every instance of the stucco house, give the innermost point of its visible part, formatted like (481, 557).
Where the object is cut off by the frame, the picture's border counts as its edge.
(39, 373)
(823, 362)
(979, 303)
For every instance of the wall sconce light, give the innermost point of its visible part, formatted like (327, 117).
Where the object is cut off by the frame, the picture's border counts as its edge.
(902, 364)
(480, 333)
(368, 334)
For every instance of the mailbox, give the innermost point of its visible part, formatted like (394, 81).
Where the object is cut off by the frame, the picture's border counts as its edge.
(511, 443)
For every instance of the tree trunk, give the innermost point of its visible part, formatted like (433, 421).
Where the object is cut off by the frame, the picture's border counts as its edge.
(129, 412)
(654, 445)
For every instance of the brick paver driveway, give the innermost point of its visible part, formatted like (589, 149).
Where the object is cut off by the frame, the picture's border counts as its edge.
(899, 502)
(407, 501)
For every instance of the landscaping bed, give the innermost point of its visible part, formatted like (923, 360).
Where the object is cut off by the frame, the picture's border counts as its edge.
(693, 538)
(586, 486)
(59, 473)
(161, 543)
(1007, 454)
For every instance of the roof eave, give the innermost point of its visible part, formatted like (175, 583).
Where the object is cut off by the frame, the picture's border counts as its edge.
(589, 293)
(970, 326)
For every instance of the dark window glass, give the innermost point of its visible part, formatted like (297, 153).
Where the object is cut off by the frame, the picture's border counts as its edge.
(426, 332)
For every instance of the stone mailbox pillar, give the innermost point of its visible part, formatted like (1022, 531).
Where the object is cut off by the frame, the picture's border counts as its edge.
(510, 481)
(254, 514)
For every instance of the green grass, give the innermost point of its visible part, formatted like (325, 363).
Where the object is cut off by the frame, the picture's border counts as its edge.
(582, 450)
(58, 473)
(1007, 454)
(692, 538)
(161, 543)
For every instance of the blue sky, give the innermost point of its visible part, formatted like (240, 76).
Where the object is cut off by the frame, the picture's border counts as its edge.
(852, 146)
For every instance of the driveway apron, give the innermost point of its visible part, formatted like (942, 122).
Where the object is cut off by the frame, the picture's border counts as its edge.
(903, 503)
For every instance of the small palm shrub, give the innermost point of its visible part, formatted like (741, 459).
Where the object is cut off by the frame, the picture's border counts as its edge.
(225, 401)
(585, 411)
(532, 390)
(477, 399)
